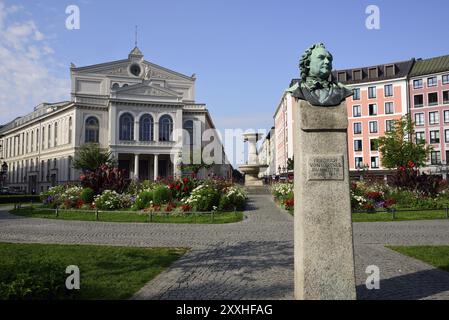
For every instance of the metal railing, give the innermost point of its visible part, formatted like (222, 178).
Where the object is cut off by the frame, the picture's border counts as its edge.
(395, 211)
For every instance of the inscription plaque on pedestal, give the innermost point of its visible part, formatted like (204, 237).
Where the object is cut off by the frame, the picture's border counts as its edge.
(328, 167)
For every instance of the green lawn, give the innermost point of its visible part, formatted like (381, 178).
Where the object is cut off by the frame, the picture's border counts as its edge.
(105, 272)
(399, 216)
(437, 256)
(219, 217)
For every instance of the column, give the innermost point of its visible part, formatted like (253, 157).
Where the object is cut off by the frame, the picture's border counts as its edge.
(136, 130)
(156, 131)
(136, 166)
(156, 166)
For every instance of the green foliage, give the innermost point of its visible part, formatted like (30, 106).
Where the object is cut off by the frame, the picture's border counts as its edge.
(204, 198)
(87, 195)
(143, 200)
(161, 195)
(90, 157)
(45, 279)
(398, 147)
(234, 198)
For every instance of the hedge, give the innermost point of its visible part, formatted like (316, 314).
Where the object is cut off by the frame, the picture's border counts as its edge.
(19, 198)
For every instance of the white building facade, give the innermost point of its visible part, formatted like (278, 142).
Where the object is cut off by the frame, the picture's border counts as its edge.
(146, 115)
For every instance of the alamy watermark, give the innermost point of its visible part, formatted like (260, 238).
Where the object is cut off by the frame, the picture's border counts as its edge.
(373, 280)
(372, 22)
(73, 280)
(73, 21)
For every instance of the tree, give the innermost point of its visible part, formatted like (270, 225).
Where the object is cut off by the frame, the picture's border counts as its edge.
(90, 157)
(399, 149)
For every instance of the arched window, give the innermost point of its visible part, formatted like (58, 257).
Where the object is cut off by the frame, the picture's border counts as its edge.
(115, 86)
(127, 127)
(146, 128)
(92, 130)
(188, 127)
(165, 128)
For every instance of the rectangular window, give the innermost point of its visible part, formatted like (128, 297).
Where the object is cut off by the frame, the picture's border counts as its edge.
(446, 115)
(374, 144)
(358, 145)
(432, 82)
(356, 94)
(435, 157)
(435, 136)
(390, 70)
(418, 100)
(389, 125)
(357, 128)
(358, 162)
(375, 162)
(434, 117)
(372, 92)
(417, 84)
(420, 137)
(372, 109)
(356, 111)
(445, 97)
(433, 99)
(419, 119)
(342, 77)
(446, 136)
(389, 108)
(446, 79)
(388, 90)
(373, 127)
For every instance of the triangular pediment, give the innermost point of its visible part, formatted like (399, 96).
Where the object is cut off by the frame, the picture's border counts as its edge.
(147, 89)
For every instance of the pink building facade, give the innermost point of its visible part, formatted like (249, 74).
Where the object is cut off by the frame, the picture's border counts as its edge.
(429, 108)
(283, 131)
(380, 98)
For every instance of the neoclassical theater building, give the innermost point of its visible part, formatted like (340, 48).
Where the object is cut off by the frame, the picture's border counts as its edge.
(131, 107)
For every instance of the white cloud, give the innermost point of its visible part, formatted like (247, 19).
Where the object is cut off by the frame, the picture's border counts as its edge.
(26, 63)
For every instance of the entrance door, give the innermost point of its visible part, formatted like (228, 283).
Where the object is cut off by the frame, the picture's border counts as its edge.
(33, 184)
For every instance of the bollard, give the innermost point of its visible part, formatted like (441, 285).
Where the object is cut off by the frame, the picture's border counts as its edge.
(96, 214)
(447, 213)
(151, 216)
(394, 214)
(213, 212)
(57, 212)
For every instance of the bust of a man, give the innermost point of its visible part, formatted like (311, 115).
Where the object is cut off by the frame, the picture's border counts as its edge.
(315, 85)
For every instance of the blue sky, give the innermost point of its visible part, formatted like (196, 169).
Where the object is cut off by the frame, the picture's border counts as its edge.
(244, 53)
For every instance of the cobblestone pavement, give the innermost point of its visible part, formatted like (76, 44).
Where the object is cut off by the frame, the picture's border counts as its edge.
(252, 259)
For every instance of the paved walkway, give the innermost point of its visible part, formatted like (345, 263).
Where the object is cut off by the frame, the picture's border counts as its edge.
(252, 259)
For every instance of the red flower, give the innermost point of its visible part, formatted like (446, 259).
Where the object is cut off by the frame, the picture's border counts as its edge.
(171, 186)
(402, 168)
(411, 164)
(178, 187)
(185, 180)
(186, 189)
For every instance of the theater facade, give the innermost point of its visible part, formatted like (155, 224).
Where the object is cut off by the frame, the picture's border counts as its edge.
(145, 114)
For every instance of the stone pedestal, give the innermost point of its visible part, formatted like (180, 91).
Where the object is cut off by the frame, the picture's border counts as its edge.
(324, 255)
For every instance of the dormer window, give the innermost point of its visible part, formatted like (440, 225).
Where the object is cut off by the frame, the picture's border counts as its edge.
(357, 74)
(115, 86)
(373, 73)
(390, 70)
(342, 77)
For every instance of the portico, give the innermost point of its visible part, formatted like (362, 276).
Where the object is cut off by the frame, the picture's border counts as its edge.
(146, 166)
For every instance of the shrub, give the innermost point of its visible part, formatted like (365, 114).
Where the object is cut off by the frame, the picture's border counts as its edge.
(87, 195)
(233, 198)
(282, 191)
(108, 200)
(203, 198)
(161, 195)
(104, 178)
(143, 200)
(71, 198)
(52, 197)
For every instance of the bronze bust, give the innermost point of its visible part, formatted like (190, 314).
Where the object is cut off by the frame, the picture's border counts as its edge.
(315, 86)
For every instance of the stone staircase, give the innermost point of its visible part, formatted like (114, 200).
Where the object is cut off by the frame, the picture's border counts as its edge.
(258, 190)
